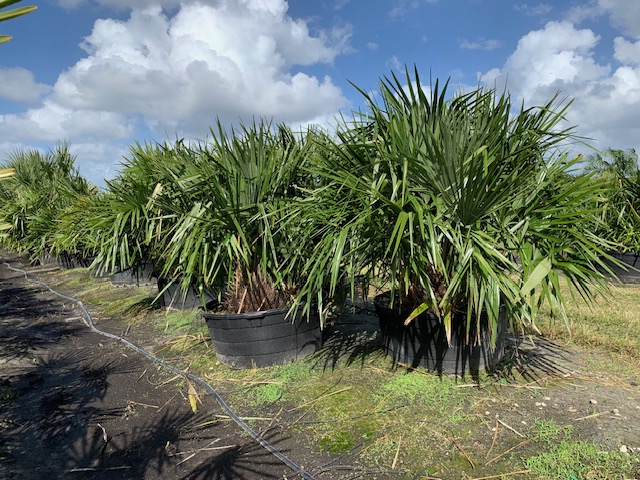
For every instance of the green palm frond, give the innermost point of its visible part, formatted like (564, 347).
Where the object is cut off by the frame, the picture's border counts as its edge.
(618, 218)
(454, 201)
(13, 13)
(41, 187)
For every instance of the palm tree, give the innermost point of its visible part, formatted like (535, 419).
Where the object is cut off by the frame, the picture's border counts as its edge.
(458, 205)
(614, 163)
(228, 209)
(33, 198)
(618, 219)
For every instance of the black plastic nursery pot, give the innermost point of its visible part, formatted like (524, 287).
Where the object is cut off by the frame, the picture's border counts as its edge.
(69, 261)
(133, 277)
(630, 275)
(46, 259)
(65, 260)
(263, 339)
(174, 298)
(423, 343)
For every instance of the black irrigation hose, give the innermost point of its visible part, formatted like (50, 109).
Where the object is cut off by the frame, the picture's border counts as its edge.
(88, 320)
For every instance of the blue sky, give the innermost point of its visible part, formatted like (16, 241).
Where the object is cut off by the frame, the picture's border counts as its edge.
(101, 74)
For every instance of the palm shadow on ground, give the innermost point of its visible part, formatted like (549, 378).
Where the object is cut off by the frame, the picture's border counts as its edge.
(534, 359)
(29, 321)
(355, 337)
(352, 337)
(76, 405)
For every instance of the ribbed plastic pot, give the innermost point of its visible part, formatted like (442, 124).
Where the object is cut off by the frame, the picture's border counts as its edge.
(133, 277)
(174, 298)
(423, 343)
(262, 339)
(631, 260)
(70, 261)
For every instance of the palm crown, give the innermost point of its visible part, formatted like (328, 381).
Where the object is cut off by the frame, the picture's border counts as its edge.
(456, 203)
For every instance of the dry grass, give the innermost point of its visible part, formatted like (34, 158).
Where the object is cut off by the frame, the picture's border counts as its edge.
(610, 323)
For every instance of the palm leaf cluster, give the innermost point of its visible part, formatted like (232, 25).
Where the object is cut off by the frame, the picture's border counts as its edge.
(618, 219)
(459, 205)
(125, 220)
(13, 13)
(228, 232)
(43, 189)
(207, 215)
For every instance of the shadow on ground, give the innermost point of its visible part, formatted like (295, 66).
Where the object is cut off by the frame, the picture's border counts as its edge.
(536, 358)
(74, 404)
(352, 337)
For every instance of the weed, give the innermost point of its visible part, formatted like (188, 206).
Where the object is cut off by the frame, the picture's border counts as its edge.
(337, 442)
(569, 459)
(284, 380)
(578, 460)
(267, 393)
(179, 321)
(293, 372)
(111, 305)
(382, 450)
(439, 394)
(547, 431)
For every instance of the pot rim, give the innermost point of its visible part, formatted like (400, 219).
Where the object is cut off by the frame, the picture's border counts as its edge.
(251, 315)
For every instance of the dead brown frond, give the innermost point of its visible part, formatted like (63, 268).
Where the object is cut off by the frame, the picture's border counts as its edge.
(254, 293)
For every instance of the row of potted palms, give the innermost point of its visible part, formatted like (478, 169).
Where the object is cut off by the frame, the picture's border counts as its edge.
(466, 212)
(42, 192)
(618, 219)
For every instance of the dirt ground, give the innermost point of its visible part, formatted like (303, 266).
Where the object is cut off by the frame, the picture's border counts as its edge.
(74, 404)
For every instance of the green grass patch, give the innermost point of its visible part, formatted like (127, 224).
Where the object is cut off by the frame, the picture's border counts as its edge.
(439, 394)
(337, 442)
(579, 460)
(179, 321)
(266, 393)
(576, 460)
(107, 300)
(549, 432)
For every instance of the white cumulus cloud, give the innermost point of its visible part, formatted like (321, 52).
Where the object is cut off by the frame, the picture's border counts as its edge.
(19, 84)
(558, 57)
(232, 60)
(626, 51)
(623, 14)
(171, 68)
(52, 123)
(561, 58)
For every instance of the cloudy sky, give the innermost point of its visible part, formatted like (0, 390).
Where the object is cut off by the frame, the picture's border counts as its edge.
(101, 74)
